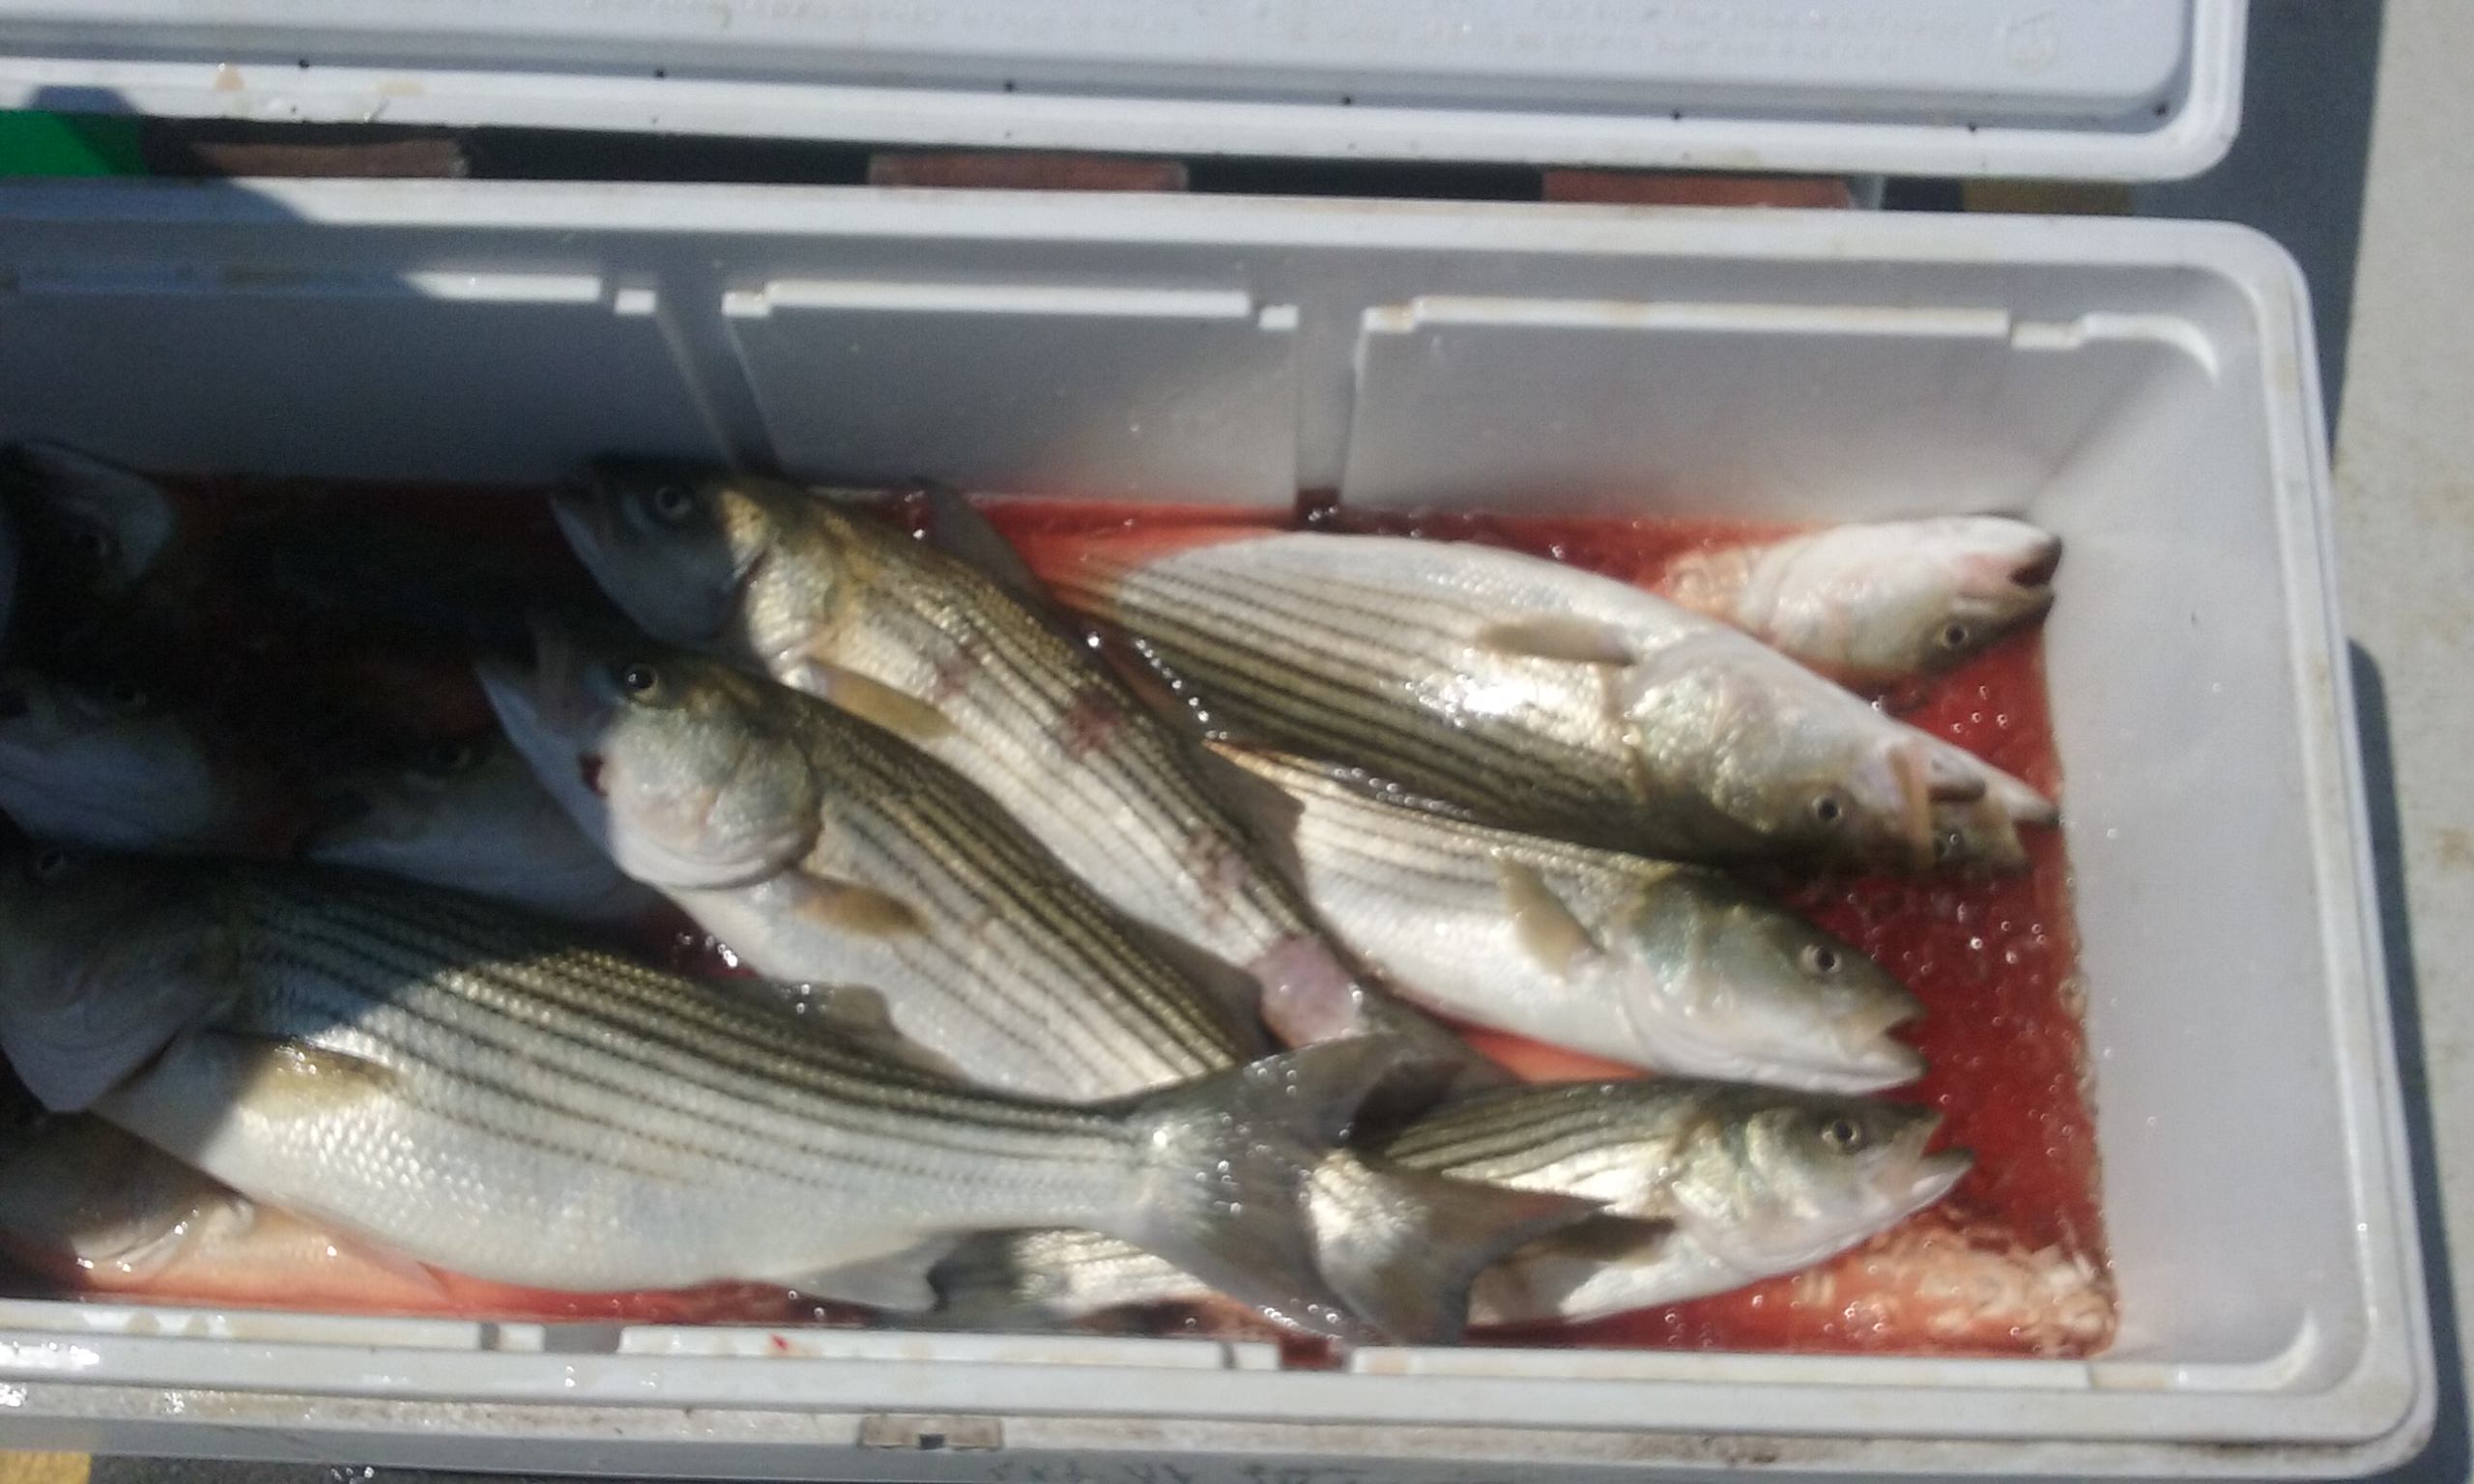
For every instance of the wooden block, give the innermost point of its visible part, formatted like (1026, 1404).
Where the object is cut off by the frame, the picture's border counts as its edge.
(44, 1468)
(1023, 170)
(209, 148)
(1641, 187)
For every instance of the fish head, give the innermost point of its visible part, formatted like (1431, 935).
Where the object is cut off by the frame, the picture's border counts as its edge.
(1922, 596)
(689, 775)
(95, 528)
(1769, 995)
(81, 1192)
(674, 544)
(105, 763)
(109, 957)
(1775, 1180)
(452, 787)
(1791, 765)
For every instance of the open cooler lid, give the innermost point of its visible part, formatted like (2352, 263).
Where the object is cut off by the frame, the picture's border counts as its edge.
(2090, 89)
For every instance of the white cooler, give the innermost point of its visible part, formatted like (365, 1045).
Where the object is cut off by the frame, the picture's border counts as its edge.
(2144, 389)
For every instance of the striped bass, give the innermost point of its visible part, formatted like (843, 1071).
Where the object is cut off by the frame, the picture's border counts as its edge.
(467, 813)
(105, 763)
(1535, 695)
(1707, 1186)
(1874, 602)
(1674, 968)
(953, 655)
(472, 1089)
(821, 847)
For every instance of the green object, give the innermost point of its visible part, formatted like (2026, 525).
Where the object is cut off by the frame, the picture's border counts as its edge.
(69, 144)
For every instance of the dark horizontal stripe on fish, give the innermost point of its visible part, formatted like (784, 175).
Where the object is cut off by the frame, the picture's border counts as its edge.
(630, 1099)
(586, 980)
(1523, 1130)
(1171, 1019)
(1261, 691)
(856, 1087)
(1041, 679)
(464, 1096)
(754, 1046)
(1259, 653)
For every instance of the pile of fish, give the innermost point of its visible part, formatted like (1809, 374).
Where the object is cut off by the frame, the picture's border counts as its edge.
(1086, 908)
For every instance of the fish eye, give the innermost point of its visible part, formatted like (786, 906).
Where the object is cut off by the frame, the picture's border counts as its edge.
(93, 541)
(672, 503)
(1828, 808)
(1821, 959)
(120, 696)
(1955, 636)
(1843, 1135)
(48, 865)
(451, 757)
(639, 679)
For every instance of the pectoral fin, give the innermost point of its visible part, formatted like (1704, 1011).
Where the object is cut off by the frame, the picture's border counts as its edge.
(860, 1016)
(847, 906)
(1560, 637)
(873, 702)
(896, 1281)
(1558, 940)
(309, 1080)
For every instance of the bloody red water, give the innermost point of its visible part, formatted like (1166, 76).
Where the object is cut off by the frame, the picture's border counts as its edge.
(2013, 1262)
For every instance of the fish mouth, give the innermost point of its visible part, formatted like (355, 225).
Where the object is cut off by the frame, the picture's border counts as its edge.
(578, 506)
(1866, 1031)
(1977, 836)
(16, 704)
(548, 697)
(2035, 574)
(1936, 1174)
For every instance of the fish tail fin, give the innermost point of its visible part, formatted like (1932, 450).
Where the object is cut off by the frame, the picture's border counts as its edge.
(1042, 1279)
(1228, 1160)
(1402, 1246)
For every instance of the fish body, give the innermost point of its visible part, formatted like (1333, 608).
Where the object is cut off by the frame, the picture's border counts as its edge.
(1530, 694)
(822, 849)
(1875, 603)
(815, 589)
(1674, 968)
(109, 764)
(89, 1207)
(471, 1089)
(467, 813)
(1706, 1186)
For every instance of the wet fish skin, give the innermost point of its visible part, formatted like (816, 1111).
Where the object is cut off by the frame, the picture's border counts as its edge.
(1674, 968)
(109, 763)
(1872, 602)
(93, 1208)
(1707, 1186)
(1533, 694)
(822, 849)
(814, 589)
(476, 1091)
(467, 812)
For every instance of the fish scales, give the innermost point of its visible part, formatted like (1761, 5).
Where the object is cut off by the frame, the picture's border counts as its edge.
(474, 1089)
(1534, 695)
